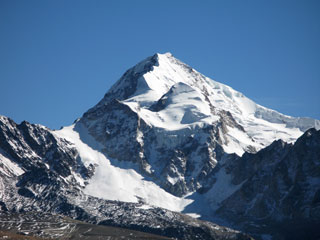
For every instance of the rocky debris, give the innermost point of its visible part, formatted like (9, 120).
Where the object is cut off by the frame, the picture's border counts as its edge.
(33, 225)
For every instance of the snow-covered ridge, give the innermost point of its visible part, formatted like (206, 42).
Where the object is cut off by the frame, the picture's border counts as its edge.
(151, 80)
(175, 124)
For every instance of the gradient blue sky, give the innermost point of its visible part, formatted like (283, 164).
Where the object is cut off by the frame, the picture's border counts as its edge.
(58, 58)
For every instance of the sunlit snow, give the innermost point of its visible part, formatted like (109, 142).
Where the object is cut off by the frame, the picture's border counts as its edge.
(187, 100)
(190, 98)
(115, 183)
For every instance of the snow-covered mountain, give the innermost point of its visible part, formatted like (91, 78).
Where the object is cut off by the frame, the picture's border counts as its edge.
(42, 173)
(166, 136)
(175, 125)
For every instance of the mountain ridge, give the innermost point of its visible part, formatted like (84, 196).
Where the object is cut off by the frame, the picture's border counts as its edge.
(164, 137)
(149, 104)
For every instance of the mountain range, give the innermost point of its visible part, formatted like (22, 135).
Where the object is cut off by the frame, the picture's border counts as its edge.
(171, 152)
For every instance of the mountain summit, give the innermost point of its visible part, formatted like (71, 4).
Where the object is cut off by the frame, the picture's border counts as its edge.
(152, 80)
(174, 124)
(167, 138)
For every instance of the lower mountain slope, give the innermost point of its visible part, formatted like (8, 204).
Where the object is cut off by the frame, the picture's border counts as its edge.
(41, 172)
(265, 193)
(279, 189)
(37, 225)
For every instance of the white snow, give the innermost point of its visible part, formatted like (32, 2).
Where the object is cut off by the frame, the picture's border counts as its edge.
(8, 167)
(114, 183)
(145, 207)
(189, 105)
(190, 100)
(186, 106)
(194, 215)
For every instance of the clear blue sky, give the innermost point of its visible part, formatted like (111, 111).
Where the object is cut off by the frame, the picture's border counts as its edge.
(58, 58)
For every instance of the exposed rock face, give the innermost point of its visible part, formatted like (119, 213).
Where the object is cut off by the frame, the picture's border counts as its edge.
(33, 146)
(175, 124)
(178, 160)
(280, 189)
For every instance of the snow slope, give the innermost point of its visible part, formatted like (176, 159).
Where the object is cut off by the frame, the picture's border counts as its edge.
(177, 104)
(168, 77)
(8, 167)
(116, 182)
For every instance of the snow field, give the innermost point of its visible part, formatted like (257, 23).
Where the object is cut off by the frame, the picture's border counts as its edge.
(115, 183)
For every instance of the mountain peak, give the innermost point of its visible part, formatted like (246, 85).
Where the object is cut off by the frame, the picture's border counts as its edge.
(151, 80)
(166, 54)
(152, 61)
